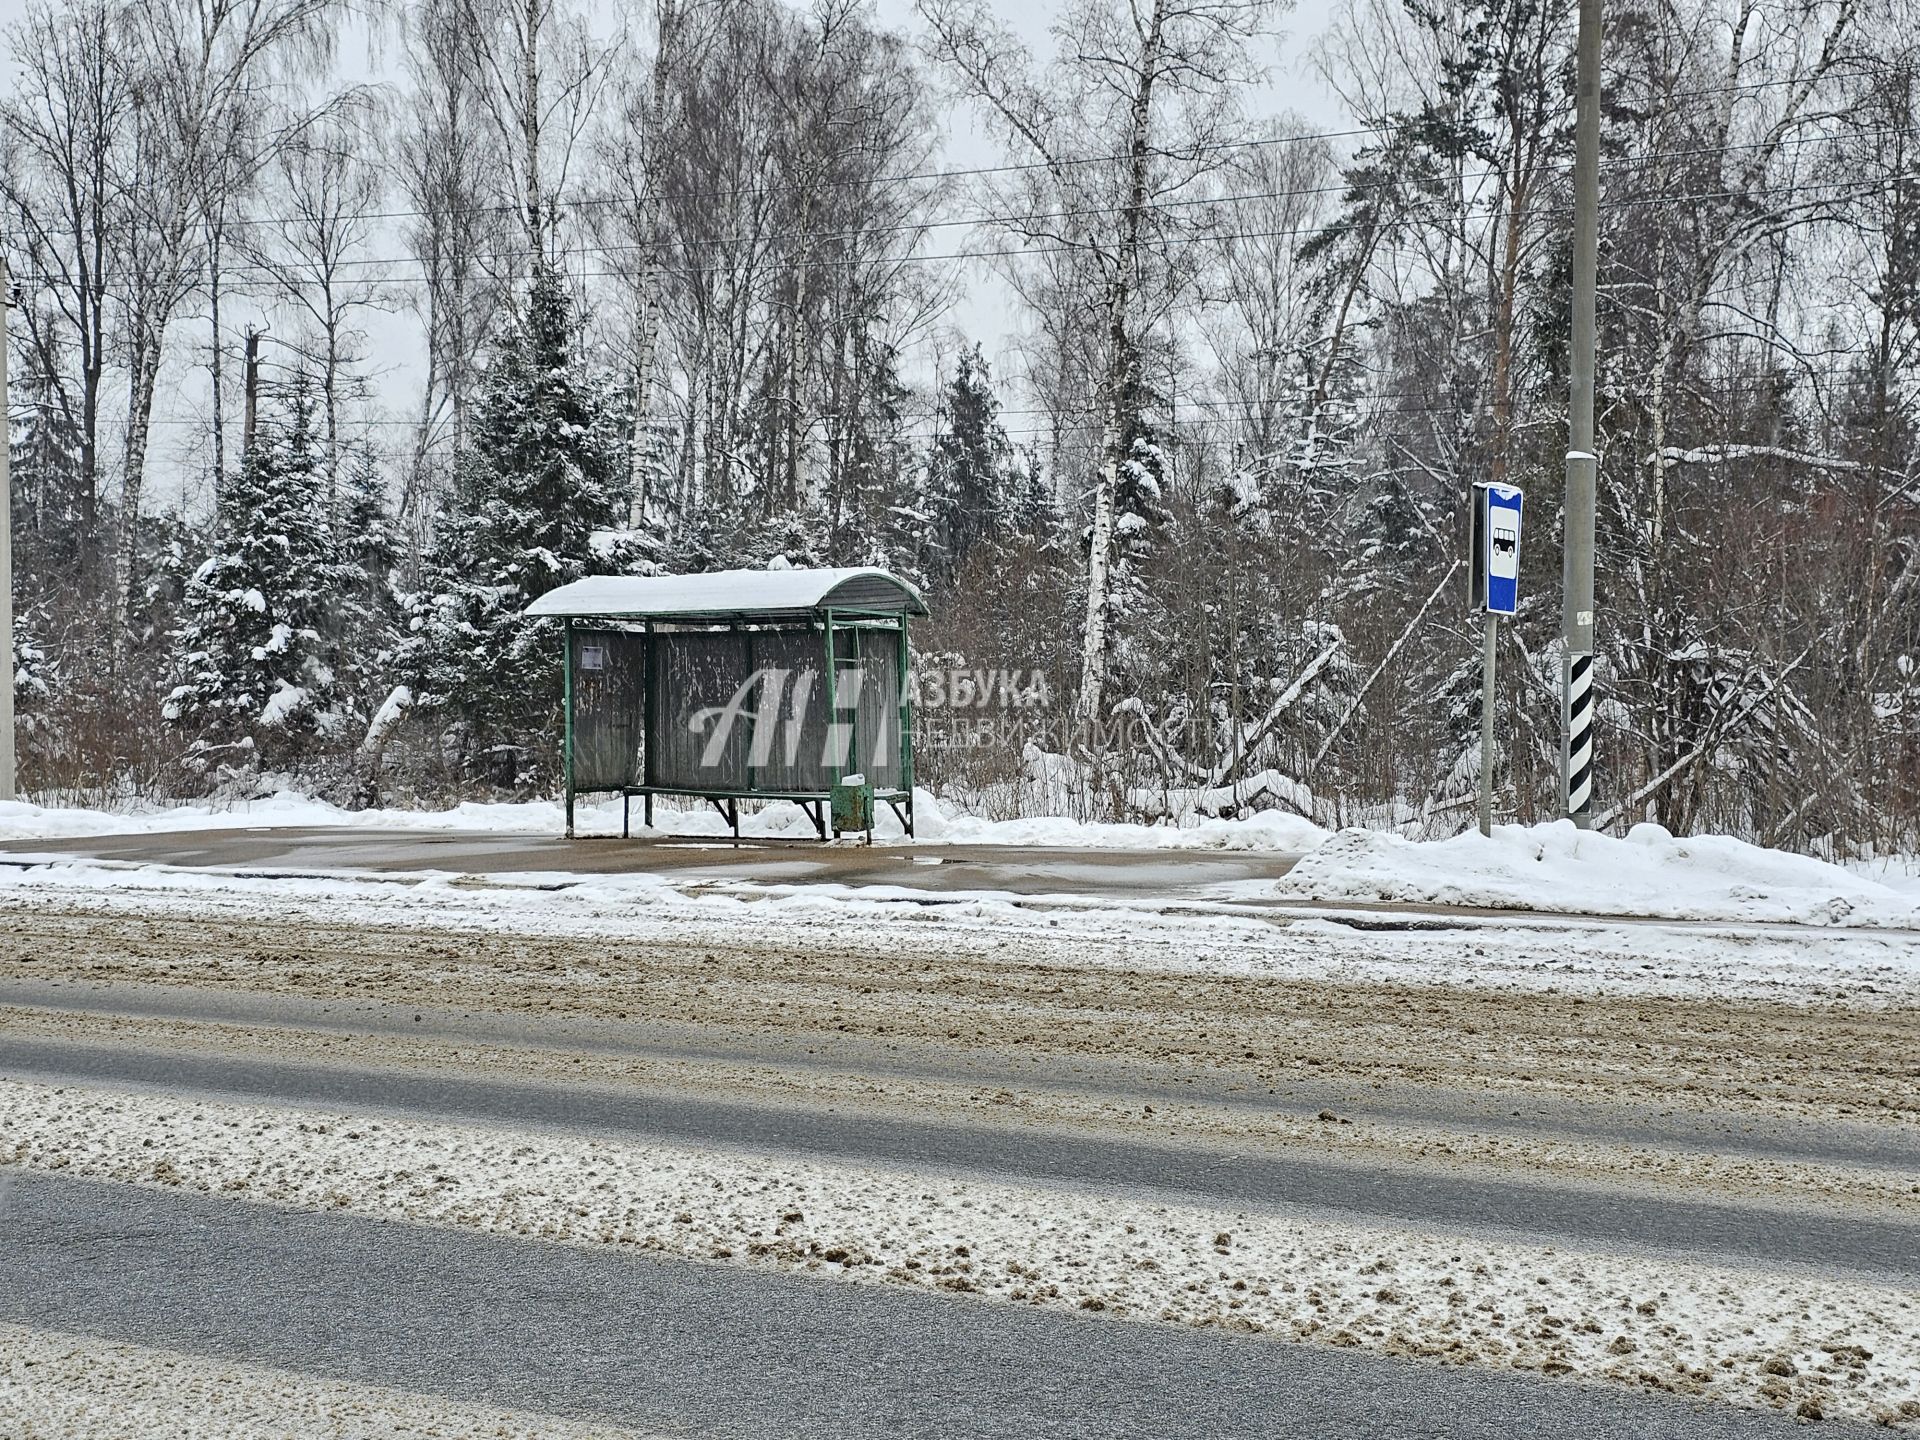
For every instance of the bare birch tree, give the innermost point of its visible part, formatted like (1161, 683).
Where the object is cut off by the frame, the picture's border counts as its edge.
(325, 191)
(67, 192)
(1164, 77)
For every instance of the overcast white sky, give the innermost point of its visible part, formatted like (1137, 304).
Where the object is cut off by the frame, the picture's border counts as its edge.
(396, 347)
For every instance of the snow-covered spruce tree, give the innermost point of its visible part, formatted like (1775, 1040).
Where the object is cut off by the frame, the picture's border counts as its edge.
(543, 471)
(254, 648)
(1140, 522)
(369, 618)
(35, 673)
(54, 517)
(972, 483)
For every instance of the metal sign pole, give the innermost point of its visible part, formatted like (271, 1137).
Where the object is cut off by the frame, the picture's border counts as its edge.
(1493, 590)
(1487, 661)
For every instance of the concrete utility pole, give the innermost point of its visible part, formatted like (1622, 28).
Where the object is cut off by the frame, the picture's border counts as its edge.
(6, 545)
(1576, 616)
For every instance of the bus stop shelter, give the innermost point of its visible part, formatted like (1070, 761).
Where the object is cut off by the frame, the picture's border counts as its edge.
(740, 685)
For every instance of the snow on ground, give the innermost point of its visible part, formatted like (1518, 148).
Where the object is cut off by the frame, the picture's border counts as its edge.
(1268, 830)
(1801, 1341)
(1552, 868)
(22, 820)
(1559, 868)
(1861, 966)
(1899, 872)
(936, 821)
(58, 1386)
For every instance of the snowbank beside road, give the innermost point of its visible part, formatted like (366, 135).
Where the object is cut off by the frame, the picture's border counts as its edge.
(1268, 830)
(21, 820)
(1560, 869)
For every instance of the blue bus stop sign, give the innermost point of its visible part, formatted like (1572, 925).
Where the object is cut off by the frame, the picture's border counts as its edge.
(1496, 548)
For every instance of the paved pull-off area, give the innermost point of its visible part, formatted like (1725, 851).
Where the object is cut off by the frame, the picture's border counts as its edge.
(936, 869)
(330, 1151)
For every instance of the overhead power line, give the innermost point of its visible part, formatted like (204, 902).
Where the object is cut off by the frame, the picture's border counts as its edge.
(769, 262)
(1216, 147)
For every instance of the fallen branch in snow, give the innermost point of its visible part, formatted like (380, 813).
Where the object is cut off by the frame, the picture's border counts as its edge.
(1225, 774)
(1169, 759)
(1265, 784)
(1216, 790)
(1179, 804)
(1716, 732)
(1353, 706)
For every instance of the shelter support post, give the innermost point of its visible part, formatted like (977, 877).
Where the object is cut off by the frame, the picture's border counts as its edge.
(753, 715)
(833, 709)
(906, 725)
(566, 763)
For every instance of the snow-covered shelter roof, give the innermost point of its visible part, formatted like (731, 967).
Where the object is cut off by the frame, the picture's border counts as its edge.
(732, 595)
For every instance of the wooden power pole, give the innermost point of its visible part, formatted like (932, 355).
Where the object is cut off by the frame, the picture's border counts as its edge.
(253, 394)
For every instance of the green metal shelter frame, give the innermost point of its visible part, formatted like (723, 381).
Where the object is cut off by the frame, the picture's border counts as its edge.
(737, 685)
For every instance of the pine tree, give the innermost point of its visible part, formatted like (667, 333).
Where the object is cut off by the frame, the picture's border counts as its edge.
(543, 472)
(255, 647)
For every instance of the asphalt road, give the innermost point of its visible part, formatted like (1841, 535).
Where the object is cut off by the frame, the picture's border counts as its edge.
(1589, 1217)
(811, 1053)
(1433, 1102)
(710, 1350)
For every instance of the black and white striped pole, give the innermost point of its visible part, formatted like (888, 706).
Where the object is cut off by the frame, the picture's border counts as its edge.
(1576, 616)
(1578, 729)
